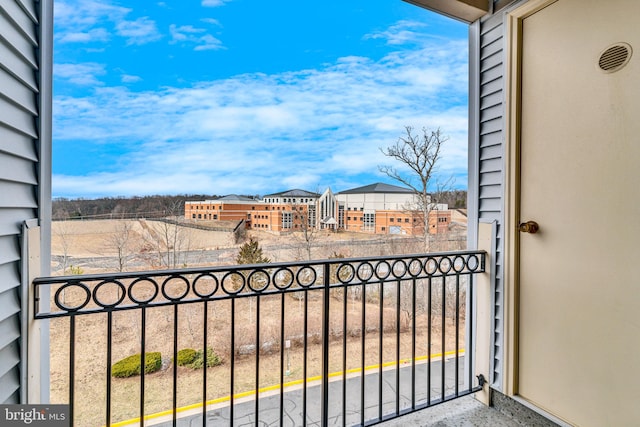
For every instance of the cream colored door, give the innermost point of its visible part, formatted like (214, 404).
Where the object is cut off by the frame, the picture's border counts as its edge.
(579, 290)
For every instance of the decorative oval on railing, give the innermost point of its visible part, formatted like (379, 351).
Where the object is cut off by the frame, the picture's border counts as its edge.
(73, 295)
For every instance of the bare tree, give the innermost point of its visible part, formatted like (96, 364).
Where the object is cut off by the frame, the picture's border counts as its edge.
(121, 241)
(66, 240)
(170, 240)
(420, 153)
(305, 229)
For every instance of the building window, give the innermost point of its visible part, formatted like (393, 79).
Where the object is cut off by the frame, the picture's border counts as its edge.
(391, 219)
(215, 216)
(369, 221)
(406, 220)
(287, 221)
(193, 216)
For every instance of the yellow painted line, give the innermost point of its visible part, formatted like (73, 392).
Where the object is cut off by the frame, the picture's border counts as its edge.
(277, 387)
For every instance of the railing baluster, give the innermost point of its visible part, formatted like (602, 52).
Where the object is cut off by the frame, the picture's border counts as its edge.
(282, 347)
(398, 327)
(143, 334)
(345, 296)
(457, 332)
(304, 362)
(257, 401)
(325, 346)
(413, 345)
(205, 327)
(175, 364)
(469, 352)
(381, 351)
(363, 297)
(443, 336)
(72, 365)
(233, 359)
(429, 327)
(109, 336)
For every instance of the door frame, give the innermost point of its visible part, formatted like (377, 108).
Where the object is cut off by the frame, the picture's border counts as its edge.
(513, 92)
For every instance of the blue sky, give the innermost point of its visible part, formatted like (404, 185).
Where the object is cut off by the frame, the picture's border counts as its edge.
(248, 96)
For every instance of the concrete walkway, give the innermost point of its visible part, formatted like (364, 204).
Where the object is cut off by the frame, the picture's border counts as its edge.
(464, 411)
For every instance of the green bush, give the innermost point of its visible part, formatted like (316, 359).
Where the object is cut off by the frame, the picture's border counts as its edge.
(212, 359)
(186, 356)
(130, 366)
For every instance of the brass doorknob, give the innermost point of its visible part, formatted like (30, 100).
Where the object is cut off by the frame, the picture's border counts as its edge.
(529, 227)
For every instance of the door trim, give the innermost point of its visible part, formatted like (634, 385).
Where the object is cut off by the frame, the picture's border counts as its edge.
(513, 92)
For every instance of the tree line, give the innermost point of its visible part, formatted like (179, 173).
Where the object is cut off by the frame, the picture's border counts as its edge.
(157, 206)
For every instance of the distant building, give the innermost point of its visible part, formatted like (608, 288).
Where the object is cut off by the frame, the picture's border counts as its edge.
(377, 208)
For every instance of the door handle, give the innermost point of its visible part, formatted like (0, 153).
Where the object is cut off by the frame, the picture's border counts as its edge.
(529, 227)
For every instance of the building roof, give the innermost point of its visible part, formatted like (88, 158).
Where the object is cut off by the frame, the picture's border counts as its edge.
(293, 193)
(378, 187)
(236, 198)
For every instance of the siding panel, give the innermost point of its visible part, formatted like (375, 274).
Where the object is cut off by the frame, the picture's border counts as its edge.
(491, 165)
(491, 152)
(19, 157)
(13, 90)
(11, 354)
(17, 66)
(9, 331)
(17, 144)
(22, 196)
(491, 188)
(491, 140)
(10, 220)
(9, 392)
(29, 7)
(20, 18)
(18, 41)
(14, 168)
(17, 118)
(9, 304)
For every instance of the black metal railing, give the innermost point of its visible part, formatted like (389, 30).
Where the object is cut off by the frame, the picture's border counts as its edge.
(339, 341)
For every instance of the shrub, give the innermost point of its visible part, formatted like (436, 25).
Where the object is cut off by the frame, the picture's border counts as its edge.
(212, 359)
(186, 356)
(130, 366)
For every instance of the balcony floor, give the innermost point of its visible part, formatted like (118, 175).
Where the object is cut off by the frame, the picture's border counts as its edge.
(463, 412)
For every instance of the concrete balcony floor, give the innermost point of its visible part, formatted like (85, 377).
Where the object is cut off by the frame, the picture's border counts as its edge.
(468, 412)
(463, 412)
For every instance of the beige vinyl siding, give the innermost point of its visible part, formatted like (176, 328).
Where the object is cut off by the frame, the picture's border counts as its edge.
(18, 174)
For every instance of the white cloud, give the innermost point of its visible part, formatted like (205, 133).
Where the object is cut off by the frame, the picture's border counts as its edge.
(211, 21)
(127, 78)
(92, 35)
(188, 34)
(256, 133)
(142, 30)
(97, 21)
(85, 21)
(401, 33)
(79, 74)
(214, 3)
